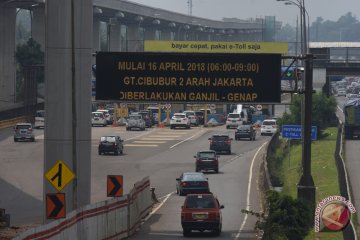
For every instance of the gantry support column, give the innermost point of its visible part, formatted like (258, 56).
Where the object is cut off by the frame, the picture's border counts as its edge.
(7, 56)
(134, 43)
(38, 26)
(68, 98)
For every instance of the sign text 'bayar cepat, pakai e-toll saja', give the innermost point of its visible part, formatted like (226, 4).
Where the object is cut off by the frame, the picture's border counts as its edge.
(188, 77)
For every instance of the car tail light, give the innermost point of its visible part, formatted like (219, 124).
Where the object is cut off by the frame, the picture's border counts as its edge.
(113, 144)
(30, 130)
(263, 126)
(17, 130)
(183, 184)
(211, 141)
(228, 141)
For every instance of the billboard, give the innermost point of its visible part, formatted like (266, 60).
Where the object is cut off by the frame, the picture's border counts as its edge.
(188, 77)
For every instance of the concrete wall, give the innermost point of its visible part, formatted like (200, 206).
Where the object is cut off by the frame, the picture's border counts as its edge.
(117, 218)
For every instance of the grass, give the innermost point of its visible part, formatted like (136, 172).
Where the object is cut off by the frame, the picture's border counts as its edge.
(323, 170)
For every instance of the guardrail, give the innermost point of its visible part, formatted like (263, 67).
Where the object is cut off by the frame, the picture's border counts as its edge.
(116, 218)
(12, 122)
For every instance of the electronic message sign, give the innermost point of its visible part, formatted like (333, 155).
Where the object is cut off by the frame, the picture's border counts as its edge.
(188, 77)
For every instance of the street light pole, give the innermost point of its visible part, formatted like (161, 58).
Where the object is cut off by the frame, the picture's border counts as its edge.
(306, 186)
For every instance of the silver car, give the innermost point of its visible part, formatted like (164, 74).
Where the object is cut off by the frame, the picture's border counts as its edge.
(24, 131)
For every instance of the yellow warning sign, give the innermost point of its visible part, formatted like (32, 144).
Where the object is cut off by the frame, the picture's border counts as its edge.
(60, 175)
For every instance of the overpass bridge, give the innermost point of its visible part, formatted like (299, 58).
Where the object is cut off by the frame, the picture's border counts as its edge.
(334, 59)
(125, 25)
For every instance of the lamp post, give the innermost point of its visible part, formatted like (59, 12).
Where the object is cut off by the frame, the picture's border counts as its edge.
(306, 186)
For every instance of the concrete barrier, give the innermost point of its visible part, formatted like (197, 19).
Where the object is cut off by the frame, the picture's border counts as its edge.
(117, 218)
(12, 122)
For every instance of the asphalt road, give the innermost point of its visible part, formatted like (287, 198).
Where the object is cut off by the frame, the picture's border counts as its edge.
(160, 153)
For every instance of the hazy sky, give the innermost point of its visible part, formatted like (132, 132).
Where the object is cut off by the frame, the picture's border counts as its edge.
(244, 9)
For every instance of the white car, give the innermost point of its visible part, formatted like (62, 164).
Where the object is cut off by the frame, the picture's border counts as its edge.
(268, 127)
(233, 120)
(98, 118)
(179, 120)
(135, 121)
(107, 115)
(192, 116)
(39, 119)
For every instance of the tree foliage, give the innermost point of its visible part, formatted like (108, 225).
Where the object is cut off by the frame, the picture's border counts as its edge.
(28, 54)
(287, 218)
(322, 113)
(345, 29)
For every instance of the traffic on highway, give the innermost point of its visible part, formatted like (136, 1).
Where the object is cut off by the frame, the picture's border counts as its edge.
(163, 154)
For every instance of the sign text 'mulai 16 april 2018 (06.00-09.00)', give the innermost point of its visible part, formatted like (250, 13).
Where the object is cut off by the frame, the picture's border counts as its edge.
(180, 77)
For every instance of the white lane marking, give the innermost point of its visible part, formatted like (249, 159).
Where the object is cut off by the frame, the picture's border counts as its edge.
(159, 206)
(137, 136)
(340, 108)
(157, 139)
(187, 139)
(171, 133)
(248, 192)
(148, 142)
(140, 145)
(165, 136)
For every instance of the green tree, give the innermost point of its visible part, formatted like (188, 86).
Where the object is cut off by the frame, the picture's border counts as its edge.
(28, 54)
(323, 112)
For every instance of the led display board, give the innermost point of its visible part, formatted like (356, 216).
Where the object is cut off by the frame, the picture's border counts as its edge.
(188, 77)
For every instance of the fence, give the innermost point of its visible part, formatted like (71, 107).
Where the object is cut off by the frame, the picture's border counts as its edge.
(116, 218)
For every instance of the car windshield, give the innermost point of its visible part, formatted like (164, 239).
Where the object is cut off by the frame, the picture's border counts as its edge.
(200, 201)
(207, 155)
(220, 138)
(107, 139)
(194, 177)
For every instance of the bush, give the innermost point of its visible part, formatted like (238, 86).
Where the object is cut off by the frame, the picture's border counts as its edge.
(288, 218)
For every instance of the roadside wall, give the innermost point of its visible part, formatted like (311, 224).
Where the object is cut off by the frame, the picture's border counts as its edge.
(117, 218)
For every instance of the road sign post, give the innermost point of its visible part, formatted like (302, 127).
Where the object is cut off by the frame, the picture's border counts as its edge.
(295, 132)
(115, 185)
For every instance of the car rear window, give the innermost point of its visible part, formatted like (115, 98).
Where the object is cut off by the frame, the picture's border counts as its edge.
(107, 139)
(244, 127)
(200, 201)
(220, 138)
(194, 177)
(24, 126)
(179, 116)
(135, 117)
(97, 115)
(269, 123)
(207, 155)
(233, 115)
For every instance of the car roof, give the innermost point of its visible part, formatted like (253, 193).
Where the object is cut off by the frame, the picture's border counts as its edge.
(179, 114)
